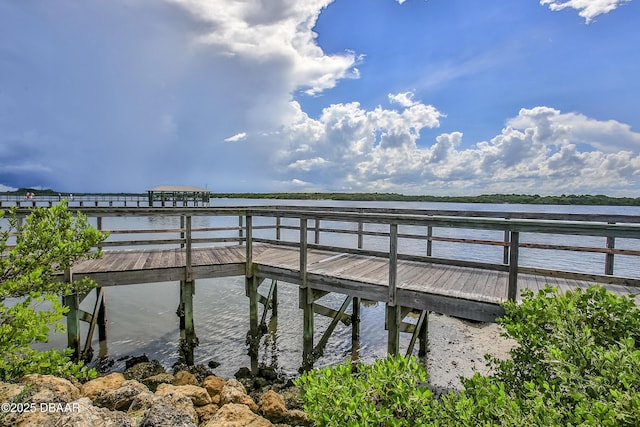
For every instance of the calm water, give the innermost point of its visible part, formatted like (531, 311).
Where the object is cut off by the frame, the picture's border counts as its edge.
(142, 318)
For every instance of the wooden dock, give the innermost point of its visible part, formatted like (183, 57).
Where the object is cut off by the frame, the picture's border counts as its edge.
(293, 245)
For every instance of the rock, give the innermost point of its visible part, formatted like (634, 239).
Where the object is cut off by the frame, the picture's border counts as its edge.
(185, 378)
(237, 415)
(214, 386)
(164, 414)
(93, 388)
(8, 391)
(200, 371)
(133, 361)
(145, 402)
(243, 372)
(234, 392)
(206, 412)
(144, 370)
(47, 388)
(268, 373)
(198, 395)
(291, 396)
(154, 381)
(272, 406)
(213, 364)
(80, 413)
(120, 398)
(296, 417)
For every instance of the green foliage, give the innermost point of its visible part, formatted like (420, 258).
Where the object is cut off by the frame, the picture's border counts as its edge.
(577, 363)
(50, 241)
(391, 392)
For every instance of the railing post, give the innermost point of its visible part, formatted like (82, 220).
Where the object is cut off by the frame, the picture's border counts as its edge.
(393, 311)
(512, 290)
(306, 295)
(278, 221)
(316, 233)
(188, 261)
(505, 249)
(429, 240)
(608, 260)
(393, 262)
(240, 229)
(249, 247)
(360, 236)
(99, 227)
(182, 235)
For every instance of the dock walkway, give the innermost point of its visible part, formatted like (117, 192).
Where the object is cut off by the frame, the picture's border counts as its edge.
(362, 254)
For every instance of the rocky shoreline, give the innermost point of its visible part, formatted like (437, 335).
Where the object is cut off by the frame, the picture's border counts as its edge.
(145, 394)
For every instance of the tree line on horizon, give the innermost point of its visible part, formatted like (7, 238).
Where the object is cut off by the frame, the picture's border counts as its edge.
(563, 199)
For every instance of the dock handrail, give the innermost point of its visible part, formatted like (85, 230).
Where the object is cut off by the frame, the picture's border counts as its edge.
(254, 222)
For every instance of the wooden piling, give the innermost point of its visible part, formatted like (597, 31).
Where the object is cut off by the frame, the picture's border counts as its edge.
(393, 319)
(72, 301)
(306, 296)
(423, 339)
(253, 336)
(355, 328)
(188, 333)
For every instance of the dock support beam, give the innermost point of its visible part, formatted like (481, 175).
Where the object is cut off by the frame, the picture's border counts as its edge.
(355, 328)
(73, 324)
(393, 326)
(253, 336)
(188, 338)
(423, 343)
(394, 316)
(73, 318)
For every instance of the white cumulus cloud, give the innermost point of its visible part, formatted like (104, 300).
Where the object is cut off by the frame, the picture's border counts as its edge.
(541, 150)
(267, 31)
(589, 9)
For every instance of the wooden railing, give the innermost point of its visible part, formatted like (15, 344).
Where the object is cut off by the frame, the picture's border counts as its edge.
(305, 228)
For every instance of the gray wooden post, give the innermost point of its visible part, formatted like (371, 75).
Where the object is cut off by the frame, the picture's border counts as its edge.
(393, 310)
(505, 249)
(512, 290)
(251, 284)
(188, 335)
(249, 247)
(306, 295)
(316, 231)
(355, 328)
(608, 260)
(73, 318)
(187, 242)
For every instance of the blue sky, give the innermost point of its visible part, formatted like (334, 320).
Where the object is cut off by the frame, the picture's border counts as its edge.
(416, 97)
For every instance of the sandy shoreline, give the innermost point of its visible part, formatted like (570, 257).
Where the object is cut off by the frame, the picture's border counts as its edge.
(457, 348)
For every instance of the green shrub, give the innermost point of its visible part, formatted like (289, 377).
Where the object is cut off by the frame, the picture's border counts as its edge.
(390, 392)
(577, 363)
(49, 241)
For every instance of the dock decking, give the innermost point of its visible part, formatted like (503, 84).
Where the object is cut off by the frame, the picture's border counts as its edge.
(392, 256)
(470, 293)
